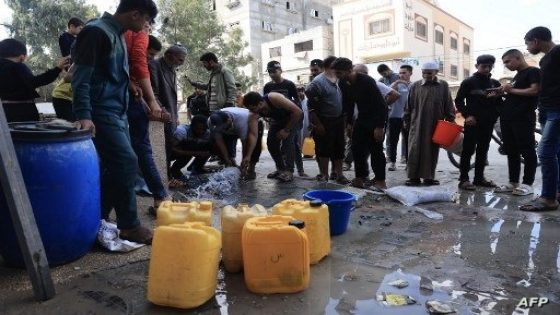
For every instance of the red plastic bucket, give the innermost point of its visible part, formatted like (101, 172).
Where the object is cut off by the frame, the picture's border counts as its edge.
(446, 133)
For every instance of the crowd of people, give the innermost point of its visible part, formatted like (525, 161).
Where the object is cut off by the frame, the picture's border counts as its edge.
(111, 80)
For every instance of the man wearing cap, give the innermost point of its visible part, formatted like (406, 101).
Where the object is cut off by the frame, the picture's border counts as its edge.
(288, 89)
(429, 100)
(481, 112)
(226, 127)
(315, 68)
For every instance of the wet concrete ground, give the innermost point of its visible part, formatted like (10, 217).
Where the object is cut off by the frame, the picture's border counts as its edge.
(483, 258)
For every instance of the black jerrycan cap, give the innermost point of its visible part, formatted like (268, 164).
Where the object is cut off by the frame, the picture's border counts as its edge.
(316, 203)
(297, 223)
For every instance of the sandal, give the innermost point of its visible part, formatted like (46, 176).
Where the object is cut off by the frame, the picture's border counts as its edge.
(484, 183)
(537, 205)
(507, 188)
(321, 178)
(286, 177)
(176, 183)
(522, 190)
(431, 182)
(342, 180)
(466, 185)
(358, 183)
(413, 182)
(138, 234)
(274, 174)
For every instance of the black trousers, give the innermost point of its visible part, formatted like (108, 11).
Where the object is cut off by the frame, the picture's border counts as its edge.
(477, 139)
(395, 127)
(519, 140)
(364, 146)
(63, 109)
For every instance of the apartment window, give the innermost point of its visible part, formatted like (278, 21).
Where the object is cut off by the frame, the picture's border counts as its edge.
(466, 46)
(380, 27)
(454, 71)
(303, 46)
(466, 73)
(213, 5)
(453, 41)
(267, 26)
(314, 13)
(438, 34)
(275, 52)
(441, 68)
(421, 27)
(291, 6)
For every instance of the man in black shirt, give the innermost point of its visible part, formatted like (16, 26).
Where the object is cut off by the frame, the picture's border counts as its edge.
(539, 39)
(368, 129)
(517, 122)
(480, 112)
(67, 38)
(288, 89)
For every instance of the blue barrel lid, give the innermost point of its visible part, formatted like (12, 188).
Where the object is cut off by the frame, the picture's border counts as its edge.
(37, 131)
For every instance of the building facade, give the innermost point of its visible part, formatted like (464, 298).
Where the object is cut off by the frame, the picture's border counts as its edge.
(268, 20)
(397, 32)
(295, 52)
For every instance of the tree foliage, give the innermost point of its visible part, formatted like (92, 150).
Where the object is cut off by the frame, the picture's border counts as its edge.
(194, 25)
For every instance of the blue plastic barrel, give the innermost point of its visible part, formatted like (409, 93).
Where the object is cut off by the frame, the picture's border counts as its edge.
(340, 205)
(61, 173)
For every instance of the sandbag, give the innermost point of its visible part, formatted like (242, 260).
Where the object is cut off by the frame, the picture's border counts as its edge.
(410, 196)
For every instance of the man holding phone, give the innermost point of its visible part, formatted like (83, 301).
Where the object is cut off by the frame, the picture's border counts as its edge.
(483, 98)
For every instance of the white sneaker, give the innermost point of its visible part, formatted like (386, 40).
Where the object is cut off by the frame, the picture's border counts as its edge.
(522, 190)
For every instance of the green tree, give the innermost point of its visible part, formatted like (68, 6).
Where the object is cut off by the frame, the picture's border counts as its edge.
(39, 23)
(194, 25)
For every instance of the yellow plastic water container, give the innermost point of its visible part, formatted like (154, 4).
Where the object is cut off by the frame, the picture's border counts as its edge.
(232, 224)
(184, 265)
(275, 255)
(308, 147)
(181, 212)
(315, 214)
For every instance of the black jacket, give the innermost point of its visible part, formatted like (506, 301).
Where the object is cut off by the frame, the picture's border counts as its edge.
(473, 90)
(17, 82)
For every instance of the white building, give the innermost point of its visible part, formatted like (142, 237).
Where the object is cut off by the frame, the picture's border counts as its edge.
(295, 52)
(397, 32)
(268, 20)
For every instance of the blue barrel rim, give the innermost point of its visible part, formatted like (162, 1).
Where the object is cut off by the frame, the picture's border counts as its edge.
(28, 132)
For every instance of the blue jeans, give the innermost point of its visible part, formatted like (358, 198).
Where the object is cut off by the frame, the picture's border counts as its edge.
(549, 151)
(140, 139)
(118, 169)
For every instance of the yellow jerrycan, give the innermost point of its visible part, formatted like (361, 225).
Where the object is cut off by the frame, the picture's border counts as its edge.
(308, 148)
(315, 214)
(275, 255)
(232, 224)
(181, 212)
(184, 265)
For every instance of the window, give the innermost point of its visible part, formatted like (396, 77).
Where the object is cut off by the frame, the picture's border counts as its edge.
(275, 52)
(267, 26)
(380, 27)
(466, 73)
(441, 68)
(454, 71)
(438, 34)
(421, 27)
(291, 6)
(466, 46)
(314, 13)
(453, 41)
(303, 46)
